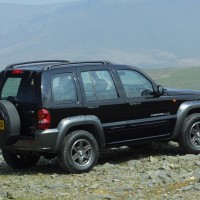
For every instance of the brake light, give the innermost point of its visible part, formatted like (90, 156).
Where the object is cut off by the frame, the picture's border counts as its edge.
(17, 71)
(44, 119)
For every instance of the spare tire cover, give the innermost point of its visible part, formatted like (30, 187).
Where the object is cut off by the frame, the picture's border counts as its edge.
(9, 122)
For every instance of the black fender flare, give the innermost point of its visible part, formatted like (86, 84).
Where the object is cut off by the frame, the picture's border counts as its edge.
(182, 112)
(71, 122)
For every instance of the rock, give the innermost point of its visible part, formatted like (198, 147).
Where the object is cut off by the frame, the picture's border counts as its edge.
(132, 163)
(197, 186)
(2, 195)
(165, 167)
(108, 165)
(188, 187)
(196, 174)
(188, 157)
(122, 174)
(125, 188)
(54, 186)
(104, 197)
(9, 195)
(198, 163)
(94, 186)
(152, 159)
(54, 175)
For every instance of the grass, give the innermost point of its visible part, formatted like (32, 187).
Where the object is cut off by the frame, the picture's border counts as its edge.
(180, 77)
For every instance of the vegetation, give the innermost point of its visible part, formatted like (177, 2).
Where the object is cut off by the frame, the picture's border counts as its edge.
(179, 77)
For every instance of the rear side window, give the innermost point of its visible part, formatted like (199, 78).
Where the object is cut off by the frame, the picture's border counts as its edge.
(63, 88)
(20, 89)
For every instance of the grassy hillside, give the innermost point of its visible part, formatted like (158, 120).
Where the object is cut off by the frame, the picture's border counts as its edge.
(184, 77)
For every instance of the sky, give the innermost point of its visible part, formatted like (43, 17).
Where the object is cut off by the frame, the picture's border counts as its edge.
(35, 2)
(148, 33)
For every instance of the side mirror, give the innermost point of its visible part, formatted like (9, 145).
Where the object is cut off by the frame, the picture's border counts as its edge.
(160, 90)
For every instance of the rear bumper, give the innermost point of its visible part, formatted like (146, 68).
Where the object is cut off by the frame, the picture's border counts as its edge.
(43, 141)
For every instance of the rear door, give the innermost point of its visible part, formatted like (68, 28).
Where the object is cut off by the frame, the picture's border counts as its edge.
(102, 98)
(21, 87)
(61, 94)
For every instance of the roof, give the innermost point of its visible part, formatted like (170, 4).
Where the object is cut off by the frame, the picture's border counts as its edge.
(50, 64)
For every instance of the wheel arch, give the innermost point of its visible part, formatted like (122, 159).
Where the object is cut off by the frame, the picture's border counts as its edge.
(89, 123)
(185, 109)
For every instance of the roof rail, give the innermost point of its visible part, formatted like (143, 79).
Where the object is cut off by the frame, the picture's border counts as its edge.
(36, 62)
(103, 62)
(80, 62)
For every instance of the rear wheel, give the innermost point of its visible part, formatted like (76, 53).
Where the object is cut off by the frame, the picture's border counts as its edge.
(19, 161)
(79, 152)
(189, 139)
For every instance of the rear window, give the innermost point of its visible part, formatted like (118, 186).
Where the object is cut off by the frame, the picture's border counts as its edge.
(11, 87)
(20, 89)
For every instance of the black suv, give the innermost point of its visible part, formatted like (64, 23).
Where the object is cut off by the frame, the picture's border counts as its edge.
(73, 109)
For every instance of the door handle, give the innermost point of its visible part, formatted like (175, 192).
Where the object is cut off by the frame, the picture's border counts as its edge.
(93, 107)
(135, 104)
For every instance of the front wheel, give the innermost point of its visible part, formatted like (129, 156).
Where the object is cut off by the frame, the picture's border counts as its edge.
(79, 152)
(189, 139)
(19, 161)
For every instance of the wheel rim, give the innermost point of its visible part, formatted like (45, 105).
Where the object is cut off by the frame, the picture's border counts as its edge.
(195, 134)
(81, 152)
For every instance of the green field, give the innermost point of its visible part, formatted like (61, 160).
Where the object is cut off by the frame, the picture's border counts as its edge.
(179, 77)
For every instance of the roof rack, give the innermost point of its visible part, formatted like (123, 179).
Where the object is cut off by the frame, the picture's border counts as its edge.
(103, 62)
(79, 62)
(35, 62)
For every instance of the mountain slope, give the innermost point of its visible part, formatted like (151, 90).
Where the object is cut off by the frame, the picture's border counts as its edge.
(147, 33)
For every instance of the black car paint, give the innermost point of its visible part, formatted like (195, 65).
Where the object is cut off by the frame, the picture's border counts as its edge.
(123, 120)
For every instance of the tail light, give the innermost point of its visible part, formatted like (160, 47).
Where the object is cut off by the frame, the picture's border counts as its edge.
(44, 119)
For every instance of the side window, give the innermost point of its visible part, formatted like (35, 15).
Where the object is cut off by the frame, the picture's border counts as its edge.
(135, 85)
(63, 88)
(98, 85)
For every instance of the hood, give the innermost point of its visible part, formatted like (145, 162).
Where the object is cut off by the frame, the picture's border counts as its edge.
(178, 92)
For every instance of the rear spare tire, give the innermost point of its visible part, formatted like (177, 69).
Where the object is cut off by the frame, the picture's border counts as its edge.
(9, 123)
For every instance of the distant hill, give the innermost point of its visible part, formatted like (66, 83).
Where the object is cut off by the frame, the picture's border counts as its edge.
(179, 77)
(144, 33)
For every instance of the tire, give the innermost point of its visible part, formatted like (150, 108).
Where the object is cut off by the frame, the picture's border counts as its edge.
(9, 123)
(189, 139)
(79, 152)
(19, 161)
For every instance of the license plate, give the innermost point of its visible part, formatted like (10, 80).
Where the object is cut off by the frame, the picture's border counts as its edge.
(2, 127)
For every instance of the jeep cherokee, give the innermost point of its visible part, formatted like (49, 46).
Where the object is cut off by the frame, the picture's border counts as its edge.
(72, 110)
